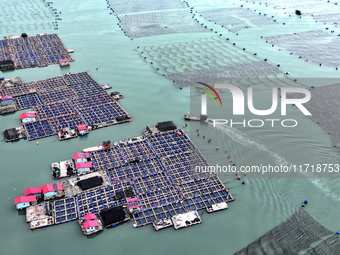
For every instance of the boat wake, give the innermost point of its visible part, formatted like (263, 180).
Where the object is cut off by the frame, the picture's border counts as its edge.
(244, 140)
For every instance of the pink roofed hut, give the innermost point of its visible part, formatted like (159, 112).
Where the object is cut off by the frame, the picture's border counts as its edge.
(36, 191)
(64, 62)
(53, 190)
(27, 117)
(24, 202)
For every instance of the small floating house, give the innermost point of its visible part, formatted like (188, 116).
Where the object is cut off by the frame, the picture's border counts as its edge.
(6, 98)
(33, 192)
(90, 224)
(133, 204)
(25, 201)
(64, 62)
(27, 117)
(83, 167)
(82, 130)
(53, 190)
(81, 157)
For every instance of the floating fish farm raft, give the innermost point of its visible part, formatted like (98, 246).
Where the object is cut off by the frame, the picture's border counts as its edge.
(151, 179)
(18, 52)
(67, 106)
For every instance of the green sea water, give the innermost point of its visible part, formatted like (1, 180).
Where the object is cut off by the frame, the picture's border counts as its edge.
(261, 204)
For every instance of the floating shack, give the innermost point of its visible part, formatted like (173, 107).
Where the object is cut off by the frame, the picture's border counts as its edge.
(23, 202)
(64, 62)
(36, 191)
(51, 191)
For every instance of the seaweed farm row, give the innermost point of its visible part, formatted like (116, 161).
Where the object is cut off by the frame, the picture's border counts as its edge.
(150, 180)
(18, 52)
(67, 106)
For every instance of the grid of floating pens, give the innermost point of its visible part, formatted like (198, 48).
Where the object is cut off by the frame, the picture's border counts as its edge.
(40, 50)
(135, 169)
(50, 83)
(27, 101)
(98, 114)
(205, 200)
(54, 109)
(96, 200)
(107, 159)
(66, 121)
(178, 168)
(197, 187)
(38, 129)
(58, 94)
(169, 143)
(88, 88)
(77, 78)
(159, 197)
(5, 53)
(92, 100)
(151, 182)
(123, 190)
(65, 210)
(158, 213)
(139, 150)
(18, 90)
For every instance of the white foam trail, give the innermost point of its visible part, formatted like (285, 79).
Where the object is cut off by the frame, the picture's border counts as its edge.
(243, 139)
(325, 188)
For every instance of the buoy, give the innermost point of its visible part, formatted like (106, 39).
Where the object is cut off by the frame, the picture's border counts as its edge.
(319, 64)
(217, 148)
(180, 88)
(238, 177)
(203, 136)
(303, 205)
(306, 201)
(97, 68)
(198, 134)
(179, 133)
(186, 124)
(318, 122)
(338, 232)
(245, 173)
(231, 161)
(243, 182)
(37, 143)
(229, 156)
(336, 68)
(196, 130)
(234, 164)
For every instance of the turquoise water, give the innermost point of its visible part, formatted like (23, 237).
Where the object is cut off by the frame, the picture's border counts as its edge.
(261, 204)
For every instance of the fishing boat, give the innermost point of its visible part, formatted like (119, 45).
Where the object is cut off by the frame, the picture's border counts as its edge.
(105, 145)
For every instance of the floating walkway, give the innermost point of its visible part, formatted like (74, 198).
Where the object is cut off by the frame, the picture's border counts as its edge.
(63, 104)
(151, 179)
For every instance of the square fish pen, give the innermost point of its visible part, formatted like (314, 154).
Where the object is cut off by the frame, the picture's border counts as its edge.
(169, 143)
(27, 101)
(135, 169)
(38, 129)
(163, 212)
(65, 210)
